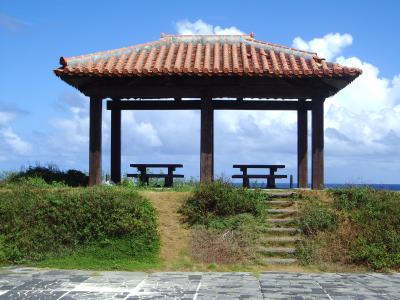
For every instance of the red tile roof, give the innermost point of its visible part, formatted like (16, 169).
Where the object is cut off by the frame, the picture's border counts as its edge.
(200, 55)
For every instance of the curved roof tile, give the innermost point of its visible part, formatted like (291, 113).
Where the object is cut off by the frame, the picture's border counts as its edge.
(200, 55)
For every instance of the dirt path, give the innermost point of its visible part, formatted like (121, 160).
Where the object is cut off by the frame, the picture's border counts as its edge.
(173, 234)
(175, 252)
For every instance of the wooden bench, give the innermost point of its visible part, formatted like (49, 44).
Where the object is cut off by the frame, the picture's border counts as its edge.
(270, 177)
(143, 176)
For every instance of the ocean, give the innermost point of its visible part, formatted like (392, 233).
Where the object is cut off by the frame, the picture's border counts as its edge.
(389, 187)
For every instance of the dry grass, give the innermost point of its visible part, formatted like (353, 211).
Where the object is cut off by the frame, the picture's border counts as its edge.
(176, 243)
(220, 248)
(174, 236)
(335, 246)
(331, 249)
(322, 196)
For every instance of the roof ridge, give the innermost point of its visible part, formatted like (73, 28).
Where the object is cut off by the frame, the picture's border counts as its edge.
(270, 59)
(249, 35)
(286, 47)
(201, 35)
(63, 60)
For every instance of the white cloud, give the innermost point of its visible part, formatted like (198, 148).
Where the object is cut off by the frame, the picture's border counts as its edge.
(14, 141)
(200, 27)
(141, 130)
(361, 123)
(6, 117)
(12, 144)
(361, 116)
(361, 127)
(73, 128)
(326, 47)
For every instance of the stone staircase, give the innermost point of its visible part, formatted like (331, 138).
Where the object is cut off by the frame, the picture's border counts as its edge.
(279, 238)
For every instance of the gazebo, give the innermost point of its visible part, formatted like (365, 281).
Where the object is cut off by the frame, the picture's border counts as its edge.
(206, 73)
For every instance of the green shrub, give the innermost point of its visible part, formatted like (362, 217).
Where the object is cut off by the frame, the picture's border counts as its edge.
(50, 174)
(375, 215)
(378, 255)
(352, 197)
(126, 182)
(316, 217)
(220, 200)
(36, 223)
(36, 182)
(305, 251)
(231, 222)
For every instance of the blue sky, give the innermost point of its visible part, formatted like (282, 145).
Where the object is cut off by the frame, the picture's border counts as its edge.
(44, 120)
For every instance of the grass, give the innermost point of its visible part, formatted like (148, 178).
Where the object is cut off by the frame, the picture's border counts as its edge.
(200, 229)
(175, 253)
(157, 185)
(218, 201)
(225, 222)
(98, 257)
(358, 227)
(174, 236)
(53, 225)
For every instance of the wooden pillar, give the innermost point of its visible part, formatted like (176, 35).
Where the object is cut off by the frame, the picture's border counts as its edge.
(116, 145)
(207, 141)
(318, 143)
(95, 141)
(302, 145)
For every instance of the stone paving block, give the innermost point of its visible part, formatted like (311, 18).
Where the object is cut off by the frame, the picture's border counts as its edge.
(32, 295)
(93, 295)
(30, 283)
(40, 284)
(231, 285)
(177, 283)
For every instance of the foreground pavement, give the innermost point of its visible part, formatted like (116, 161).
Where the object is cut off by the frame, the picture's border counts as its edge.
(31, 283)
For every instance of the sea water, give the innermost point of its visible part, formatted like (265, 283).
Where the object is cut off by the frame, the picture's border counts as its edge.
(390, 187)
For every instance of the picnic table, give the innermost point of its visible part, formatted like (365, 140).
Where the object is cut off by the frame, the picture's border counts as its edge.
(143, 176)
(270, 177)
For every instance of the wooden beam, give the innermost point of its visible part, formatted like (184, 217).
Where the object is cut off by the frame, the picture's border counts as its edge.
(170, 86)
(216, 104)
(207, 141)
(116, 145)
(302, 145)
(318, 143)
(197, 86)
(191, 91)
(154, 105)
(95, 141)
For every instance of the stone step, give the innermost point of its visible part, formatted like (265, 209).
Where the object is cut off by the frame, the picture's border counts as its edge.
(281, 195)
(280, 221)
(280, 261)
(281, 239)
(282, 211)
(282, 230)
(273, 250)
(280, 202)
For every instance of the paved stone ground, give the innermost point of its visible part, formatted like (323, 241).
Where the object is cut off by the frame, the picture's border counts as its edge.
(30, 283)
